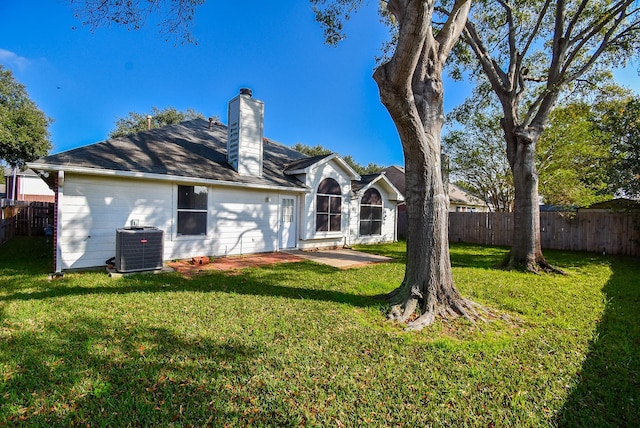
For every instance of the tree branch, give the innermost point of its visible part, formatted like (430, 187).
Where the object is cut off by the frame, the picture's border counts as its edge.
(536, 28)
(400, 69)
(452, 28)
(494, 73)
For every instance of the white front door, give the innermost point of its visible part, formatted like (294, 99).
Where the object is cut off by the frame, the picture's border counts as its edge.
(288, 223)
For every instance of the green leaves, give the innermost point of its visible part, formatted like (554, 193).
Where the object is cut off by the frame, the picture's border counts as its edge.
(24, 129)
(332, 15)
(136, 122)
(622, 125)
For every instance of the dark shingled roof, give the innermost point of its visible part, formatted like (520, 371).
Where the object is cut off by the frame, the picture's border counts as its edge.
(304, 163)
(619, 204)
(365, 180)
(188, 149)
(395, 174)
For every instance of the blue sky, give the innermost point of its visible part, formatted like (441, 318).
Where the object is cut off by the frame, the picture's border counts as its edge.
(313, 93)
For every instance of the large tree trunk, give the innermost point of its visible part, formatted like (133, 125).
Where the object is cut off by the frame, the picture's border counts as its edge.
(411, 89)
(526, 250)
(428, 289)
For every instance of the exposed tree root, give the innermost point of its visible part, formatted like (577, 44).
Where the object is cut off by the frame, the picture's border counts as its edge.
(537, 265)
(407, 312)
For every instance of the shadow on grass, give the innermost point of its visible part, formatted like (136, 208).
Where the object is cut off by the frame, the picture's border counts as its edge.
(85, 371)
(608, 392)
(26, 255)
(257, 282)
(476, 256)
(79, 370)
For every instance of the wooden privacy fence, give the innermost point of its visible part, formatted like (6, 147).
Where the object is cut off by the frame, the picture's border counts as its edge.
(24, 218)
(602, 232)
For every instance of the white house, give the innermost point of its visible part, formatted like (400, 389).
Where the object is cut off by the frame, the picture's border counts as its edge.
(213, 190)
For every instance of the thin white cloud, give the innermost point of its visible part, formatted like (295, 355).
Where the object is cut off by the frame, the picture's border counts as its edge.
(13, 59)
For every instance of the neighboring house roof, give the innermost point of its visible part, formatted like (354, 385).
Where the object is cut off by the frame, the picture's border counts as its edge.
(395, 174)
(551, 208)
(459, 196)
(619, 204)
(189, 150)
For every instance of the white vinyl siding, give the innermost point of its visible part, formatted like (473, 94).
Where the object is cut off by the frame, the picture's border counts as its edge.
(244, 222)
(387, 227)
(310, 238)
(92, 208)
(238, 222)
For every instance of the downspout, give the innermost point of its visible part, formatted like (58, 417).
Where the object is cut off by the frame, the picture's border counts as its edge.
(349, 207)
(13, 184)
(395, 223)
(279, 222)
(57, 232)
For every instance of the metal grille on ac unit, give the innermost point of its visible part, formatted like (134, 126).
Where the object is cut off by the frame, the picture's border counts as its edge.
(139, 248)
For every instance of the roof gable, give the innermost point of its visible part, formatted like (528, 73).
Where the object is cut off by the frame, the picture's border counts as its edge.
(367, 181)
(306, 165)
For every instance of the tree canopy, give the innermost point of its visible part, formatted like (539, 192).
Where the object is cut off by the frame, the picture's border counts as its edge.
(478, 162)
(527, 54)
(573, 157)
(24, 128)
(621, 125)
(136, 122)
(175, 16)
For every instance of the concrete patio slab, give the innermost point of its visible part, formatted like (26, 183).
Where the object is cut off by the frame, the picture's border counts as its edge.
(340, 258)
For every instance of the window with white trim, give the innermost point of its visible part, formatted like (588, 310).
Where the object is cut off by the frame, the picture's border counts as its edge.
(192, 210)
(329, 206)
(371, 213)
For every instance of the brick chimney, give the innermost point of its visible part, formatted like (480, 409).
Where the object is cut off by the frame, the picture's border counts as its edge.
(245, 134)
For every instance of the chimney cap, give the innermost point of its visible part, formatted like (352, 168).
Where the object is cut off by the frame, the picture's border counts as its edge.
(246, 91)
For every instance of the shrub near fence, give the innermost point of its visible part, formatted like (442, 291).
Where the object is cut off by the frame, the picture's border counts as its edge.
(24, 218)
(608, 232)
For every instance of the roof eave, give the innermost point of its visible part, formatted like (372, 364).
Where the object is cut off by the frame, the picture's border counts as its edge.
(158, 177)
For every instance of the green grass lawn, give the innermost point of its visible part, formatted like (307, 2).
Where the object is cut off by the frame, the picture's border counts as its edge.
(306, 344)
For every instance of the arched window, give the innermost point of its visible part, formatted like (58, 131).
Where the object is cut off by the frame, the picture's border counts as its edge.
(329, 206)
(371, 213)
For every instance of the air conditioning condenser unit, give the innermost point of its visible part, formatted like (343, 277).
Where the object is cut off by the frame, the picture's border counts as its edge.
(139, 248)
